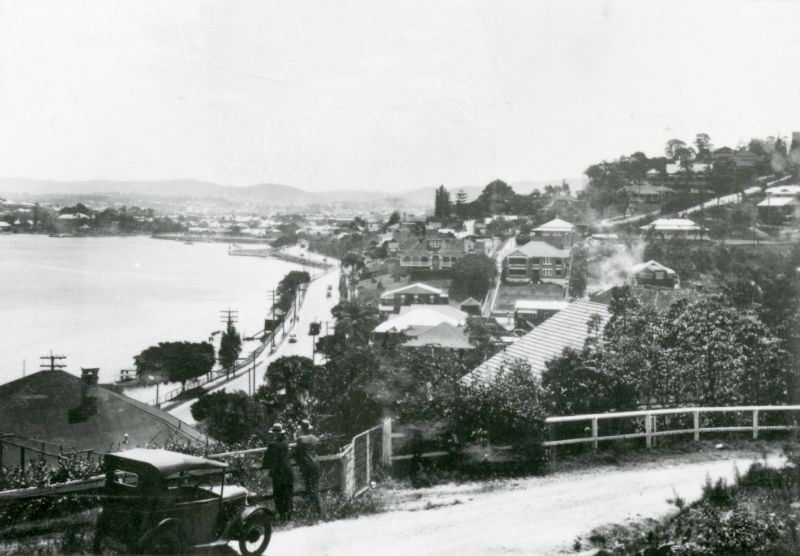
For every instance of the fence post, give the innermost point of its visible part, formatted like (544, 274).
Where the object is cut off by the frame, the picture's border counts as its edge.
(755, 424)
(696, 425)
(386, 442)
(22, 457)
(368, 457)
(653, 429)
(648, 430)
(594, 433)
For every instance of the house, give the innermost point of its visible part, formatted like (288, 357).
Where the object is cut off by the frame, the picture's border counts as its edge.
(557, 229)
(414, 294)
(535, 311)
(568, 328)
(777, 209)
(471, 306)
(652, 273)
(443, 336)
(5, 227)
(646, 192)
(667, 228)
(76, 413)
(433, 252)
(536, 261)
(418, 316)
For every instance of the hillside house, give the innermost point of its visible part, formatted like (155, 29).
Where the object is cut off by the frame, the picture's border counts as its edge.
(415, 317)
(536, 261)
(646, 192)
(652, 273)
(556, 231)
(433, 252)
(780, 204)
(471, 306)
(667, 228)
(414, 294)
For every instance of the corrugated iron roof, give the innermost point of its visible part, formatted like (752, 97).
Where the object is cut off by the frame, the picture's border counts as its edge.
(566, 329)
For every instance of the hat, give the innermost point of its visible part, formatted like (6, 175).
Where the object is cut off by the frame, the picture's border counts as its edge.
(305, 423)
(276, 428)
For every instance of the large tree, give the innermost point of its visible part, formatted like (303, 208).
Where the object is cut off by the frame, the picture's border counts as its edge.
(472, 275)
(177, 361)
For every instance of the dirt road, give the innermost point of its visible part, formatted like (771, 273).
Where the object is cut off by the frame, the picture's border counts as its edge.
(527, 516)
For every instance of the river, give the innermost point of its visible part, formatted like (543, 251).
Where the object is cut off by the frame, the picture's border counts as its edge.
(100, 301)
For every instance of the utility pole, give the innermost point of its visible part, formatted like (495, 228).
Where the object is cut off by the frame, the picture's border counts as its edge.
(229, 316)
(272, 315)
(53, 366)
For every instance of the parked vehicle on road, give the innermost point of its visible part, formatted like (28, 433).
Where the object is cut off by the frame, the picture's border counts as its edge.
(163, 502)
(292, 339)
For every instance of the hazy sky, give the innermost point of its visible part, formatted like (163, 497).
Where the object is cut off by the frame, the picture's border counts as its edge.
(382, 94)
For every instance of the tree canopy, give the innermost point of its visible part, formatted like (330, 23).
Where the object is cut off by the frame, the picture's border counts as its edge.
(178, 361)
(472, 275)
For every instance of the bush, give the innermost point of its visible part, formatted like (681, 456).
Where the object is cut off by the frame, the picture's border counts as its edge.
(504, 411)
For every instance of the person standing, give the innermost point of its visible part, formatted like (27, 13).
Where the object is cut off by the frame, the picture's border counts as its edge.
(276, 461)
(305, 454)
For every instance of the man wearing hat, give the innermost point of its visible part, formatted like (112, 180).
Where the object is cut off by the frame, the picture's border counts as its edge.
(276, 461)
(305, 454)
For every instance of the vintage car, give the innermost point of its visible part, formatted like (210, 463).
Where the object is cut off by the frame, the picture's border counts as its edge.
(161, 502)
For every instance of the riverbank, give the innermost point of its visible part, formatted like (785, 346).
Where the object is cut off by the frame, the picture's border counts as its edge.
(206, 238)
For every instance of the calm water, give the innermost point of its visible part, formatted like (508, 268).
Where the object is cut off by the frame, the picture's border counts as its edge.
(100, 301)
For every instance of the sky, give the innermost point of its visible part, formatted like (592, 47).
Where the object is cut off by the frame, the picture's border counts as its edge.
(382, 94)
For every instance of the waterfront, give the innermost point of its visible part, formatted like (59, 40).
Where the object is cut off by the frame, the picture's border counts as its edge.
(100, 301)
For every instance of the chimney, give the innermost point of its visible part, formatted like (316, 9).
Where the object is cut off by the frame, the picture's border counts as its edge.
(89, 376)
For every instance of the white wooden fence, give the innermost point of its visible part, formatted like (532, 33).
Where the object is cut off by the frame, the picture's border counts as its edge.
(650, 429)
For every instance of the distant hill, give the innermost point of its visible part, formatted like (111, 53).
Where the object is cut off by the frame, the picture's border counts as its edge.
(261, 194)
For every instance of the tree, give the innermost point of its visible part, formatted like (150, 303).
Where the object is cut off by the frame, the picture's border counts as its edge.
(702, 143)
(230, 417)
(441, 208)
(461, 201)
(291, 377)
(230, 346)
(354, 323)
(578, 272)
(505, 410)
(288, 286)
(473, 275)
(178, 361)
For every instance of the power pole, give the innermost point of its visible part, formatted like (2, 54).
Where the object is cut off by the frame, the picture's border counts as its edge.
(272, 314)
(229, 316)
(53, 366)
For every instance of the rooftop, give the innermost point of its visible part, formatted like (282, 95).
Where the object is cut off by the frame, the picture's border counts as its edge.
(422, 315)
(672, 224)
(416, 288)
(652, 266)
(536, 248)
(566, 329)
(443, 335)
(555, 225)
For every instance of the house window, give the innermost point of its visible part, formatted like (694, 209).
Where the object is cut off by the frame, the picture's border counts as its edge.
(406, 259)
(517, 261)
(435, 244)
(659, 275)
(535, 260)
(547, 260)
(445, 259)
(547, 272)
(424, 259)
(415, 260)
(558, 272)
(517, 272)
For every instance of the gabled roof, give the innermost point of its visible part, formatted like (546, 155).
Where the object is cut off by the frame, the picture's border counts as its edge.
(651, 266)
(536, 248)
(555, 225)
(566, 329)
(443, 335)
(416, 288)
(38, 406)
(470, 301)
(422, 315)
(672, 224)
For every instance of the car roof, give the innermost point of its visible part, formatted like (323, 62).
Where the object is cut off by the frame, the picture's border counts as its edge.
(165, 462)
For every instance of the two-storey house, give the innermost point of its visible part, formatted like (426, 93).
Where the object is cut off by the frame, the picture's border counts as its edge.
(433, 252)
(536, 261)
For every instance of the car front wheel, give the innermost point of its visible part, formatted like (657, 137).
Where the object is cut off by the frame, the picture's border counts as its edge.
(255, 534)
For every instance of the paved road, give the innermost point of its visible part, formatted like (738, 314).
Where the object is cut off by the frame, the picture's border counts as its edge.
(316, 307)
(529, 516)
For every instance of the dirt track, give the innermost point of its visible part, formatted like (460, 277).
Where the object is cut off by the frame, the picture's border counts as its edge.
(528, 516)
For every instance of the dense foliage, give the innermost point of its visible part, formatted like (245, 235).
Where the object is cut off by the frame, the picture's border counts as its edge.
(473, 275)
(286, 291)
(230, 346)
(176, 361)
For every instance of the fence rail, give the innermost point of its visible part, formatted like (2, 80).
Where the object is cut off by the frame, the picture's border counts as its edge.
(649, 429)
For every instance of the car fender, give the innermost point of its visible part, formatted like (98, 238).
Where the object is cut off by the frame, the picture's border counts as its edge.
(236, 526)
(164, 524)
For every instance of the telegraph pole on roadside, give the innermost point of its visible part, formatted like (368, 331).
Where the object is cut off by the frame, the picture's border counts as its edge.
(53, 366)
(272, 316)
(229, 316)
